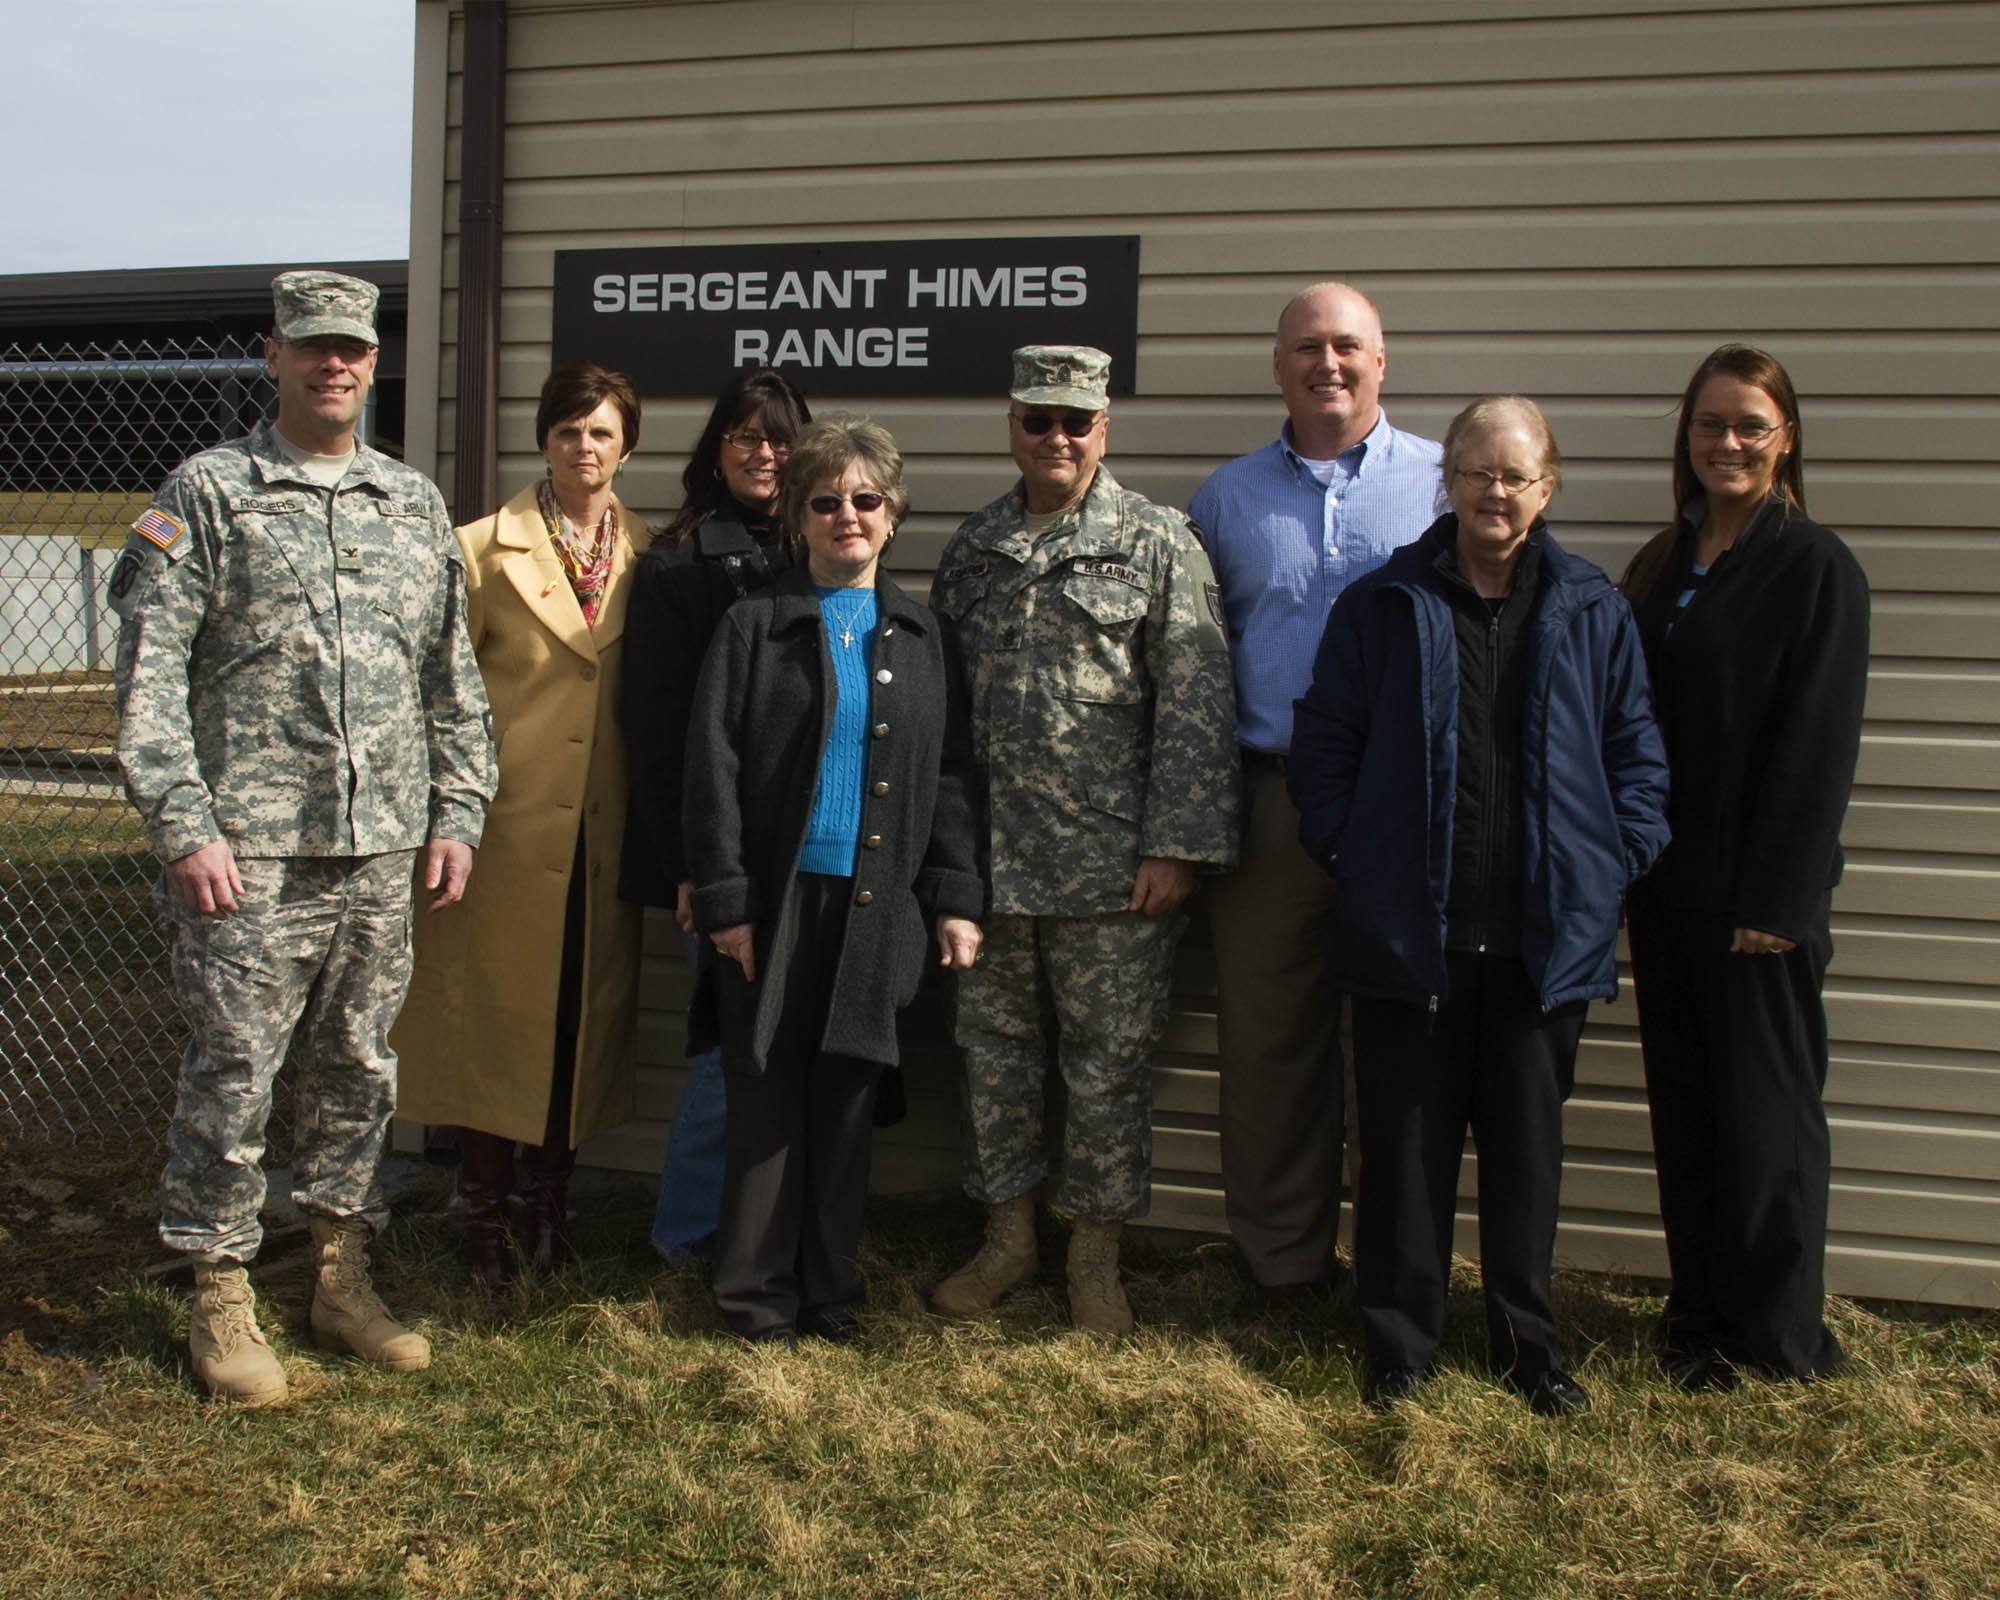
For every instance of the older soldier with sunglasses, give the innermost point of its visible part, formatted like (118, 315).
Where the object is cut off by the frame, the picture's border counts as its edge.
(1103, 725)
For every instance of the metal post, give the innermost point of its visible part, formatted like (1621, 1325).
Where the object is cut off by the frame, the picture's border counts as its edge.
(93, 658)
(482, 134)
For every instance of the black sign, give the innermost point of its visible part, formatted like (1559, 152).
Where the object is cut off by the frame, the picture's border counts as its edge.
(909, 317)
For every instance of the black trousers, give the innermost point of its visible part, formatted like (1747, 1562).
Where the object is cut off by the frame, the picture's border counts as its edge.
(1736, 1053)
(795, 1143)
(1493, 1060)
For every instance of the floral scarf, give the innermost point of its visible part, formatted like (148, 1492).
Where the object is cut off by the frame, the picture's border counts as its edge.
(585, 556)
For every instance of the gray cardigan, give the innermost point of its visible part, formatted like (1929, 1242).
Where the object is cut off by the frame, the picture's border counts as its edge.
(762, 713)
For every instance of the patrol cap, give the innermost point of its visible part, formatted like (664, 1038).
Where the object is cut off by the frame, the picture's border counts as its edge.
(321, 305)
(1062, 375)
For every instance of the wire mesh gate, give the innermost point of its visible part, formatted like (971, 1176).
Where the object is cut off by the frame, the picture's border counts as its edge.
(89, 1033)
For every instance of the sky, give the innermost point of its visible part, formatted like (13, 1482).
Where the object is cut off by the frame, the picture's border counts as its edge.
(197, 133)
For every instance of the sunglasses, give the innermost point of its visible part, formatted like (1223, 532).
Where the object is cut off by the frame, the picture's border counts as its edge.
(1075, 424)
(863, 500)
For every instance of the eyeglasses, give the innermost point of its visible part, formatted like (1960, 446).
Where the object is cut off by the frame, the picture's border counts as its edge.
(1075, 424)
(863, 500)
(1751, 430)
(750, 441)
(1512, 482)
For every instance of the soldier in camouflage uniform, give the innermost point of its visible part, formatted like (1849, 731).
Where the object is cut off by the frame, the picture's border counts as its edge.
(1104, 725)
(300, 716)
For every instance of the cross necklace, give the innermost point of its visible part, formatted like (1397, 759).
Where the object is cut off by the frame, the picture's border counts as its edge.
(847, 622)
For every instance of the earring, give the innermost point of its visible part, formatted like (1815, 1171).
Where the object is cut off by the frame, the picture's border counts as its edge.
(619, 470)
(547, 470)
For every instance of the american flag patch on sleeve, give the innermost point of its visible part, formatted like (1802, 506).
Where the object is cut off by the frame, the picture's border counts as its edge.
(158, 527)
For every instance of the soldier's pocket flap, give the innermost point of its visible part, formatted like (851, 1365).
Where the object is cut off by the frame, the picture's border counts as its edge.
(1111, 597)
(1117, 797)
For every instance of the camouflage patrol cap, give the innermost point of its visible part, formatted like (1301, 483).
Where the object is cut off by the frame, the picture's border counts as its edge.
(321, 305)
(1062, 375)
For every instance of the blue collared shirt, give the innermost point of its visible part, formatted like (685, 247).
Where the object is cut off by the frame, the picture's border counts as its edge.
(1283, 547)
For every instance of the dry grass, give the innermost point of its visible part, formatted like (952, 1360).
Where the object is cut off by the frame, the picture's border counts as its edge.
(597, 1437)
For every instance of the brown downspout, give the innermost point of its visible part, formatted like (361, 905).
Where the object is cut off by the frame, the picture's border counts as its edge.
(482, 135)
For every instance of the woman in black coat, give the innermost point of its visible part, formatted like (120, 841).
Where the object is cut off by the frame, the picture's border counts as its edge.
(1755, 625)
(829, 825)
(725, 542)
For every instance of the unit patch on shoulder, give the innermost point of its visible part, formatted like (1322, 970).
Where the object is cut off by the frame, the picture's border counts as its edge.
(126, 573)
(157, 528)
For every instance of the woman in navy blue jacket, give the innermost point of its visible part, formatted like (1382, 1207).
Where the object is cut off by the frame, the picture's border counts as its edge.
(1477, 765)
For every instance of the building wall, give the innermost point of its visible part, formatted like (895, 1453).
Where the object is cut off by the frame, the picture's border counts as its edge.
(1576, 200)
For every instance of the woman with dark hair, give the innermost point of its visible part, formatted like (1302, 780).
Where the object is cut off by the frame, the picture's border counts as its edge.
(830, 835)
(724, 543)
(520, 1026)
(1476, 763)
(1755, 621)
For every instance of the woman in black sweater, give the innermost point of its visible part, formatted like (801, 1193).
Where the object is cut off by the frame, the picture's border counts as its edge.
(1755, 625)
(725, 542)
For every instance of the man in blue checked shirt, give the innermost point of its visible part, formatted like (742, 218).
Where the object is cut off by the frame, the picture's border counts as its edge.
(1287, 528)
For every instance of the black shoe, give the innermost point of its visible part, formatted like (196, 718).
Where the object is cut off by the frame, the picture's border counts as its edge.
(1283, 1299)
(833, 1329)
(1700, 1372)
(1386, 1386)
(782, 1334)
(1552, 1393)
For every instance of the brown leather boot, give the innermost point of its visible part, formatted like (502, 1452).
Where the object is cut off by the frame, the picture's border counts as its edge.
(227, 1346)
(485, 1179)
(347, 1314)
(1097, 1302)
(545, 1184)
(1005, 1260)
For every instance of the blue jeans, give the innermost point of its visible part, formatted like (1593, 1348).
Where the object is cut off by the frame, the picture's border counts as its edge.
(690, 1200)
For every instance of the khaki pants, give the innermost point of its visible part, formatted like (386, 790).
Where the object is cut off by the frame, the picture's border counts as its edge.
(1278, 1027)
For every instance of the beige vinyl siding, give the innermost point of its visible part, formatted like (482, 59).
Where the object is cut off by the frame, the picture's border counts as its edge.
(1576, 200)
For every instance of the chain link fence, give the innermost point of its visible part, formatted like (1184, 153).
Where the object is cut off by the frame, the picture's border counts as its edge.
(89, 1033)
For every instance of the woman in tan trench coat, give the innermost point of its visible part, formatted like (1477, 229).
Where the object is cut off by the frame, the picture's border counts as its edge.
(522, 1016)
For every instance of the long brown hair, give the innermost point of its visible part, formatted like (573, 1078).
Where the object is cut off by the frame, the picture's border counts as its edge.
(1761, 370)
(765, 397)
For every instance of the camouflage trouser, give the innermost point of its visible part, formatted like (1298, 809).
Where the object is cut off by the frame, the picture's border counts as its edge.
(1098, 986)
(321, 944)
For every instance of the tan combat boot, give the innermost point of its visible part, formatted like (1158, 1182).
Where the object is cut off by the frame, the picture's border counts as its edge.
(228, 1347)
(1097, 1302)
(1006, 1259)
(347, 1314)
